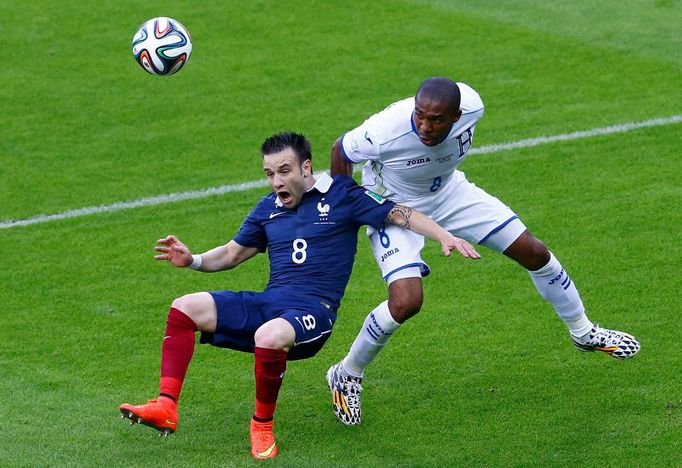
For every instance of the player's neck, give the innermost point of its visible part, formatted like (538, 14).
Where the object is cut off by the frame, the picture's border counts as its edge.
(310, 182)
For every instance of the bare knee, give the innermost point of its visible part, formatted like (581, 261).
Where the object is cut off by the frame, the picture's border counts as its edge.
(186, 304)
(199, 307)
(275, 334)
(528, 251)
(405, 298)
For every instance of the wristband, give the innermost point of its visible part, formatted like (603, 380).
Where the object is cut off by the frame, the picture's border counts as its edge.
(196, 262)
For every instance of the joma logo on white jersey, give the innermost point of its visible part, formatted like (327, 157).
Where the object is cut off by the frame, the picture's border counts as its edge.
(414, 162)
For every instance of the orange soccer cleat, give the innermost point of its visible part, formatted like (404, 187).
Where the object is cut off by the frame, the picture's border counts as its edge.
(161, 414)
(262, 440)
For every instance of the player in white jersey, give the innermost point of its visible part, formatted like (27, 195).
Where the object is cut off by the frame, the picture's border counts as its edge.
(411, 152)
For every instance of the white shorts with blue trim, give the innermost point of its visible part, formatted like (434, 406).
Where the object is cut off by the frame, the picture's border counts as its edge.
(460, 207)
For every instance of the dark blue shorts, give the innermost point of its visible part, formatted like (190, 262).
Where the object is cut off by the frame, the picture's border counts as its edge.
(240, 314)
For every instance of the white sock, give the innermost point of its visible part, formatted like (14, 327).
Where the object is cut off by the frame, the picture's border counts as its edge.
(556, 287)
(377, 329)
(580, 327)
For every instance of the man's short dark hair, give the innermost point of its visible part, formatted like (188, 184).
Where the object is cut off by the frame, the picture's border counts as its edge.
(442, 90)
(283, 140)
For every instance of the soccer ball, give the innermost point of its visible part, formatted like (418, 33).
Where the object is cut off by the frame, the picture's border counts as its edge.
(162, 46)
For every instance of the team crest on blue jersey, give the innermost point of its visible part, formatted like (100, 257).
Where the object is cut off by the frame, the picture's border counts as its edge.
(375, 196)
(323, 209)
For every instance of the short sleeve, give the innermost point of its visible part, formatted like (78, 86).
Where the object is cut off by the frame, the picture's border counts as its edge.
(251, 232)
(367, 207)
(361, 143)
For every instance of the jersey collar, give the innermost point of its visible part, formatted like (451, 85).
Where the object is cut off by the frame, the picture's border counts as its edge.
(322, 184)
(414, 127)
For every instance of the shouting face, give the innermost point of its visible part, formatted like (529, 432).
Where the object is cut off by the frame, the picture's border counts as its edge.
(288, 177)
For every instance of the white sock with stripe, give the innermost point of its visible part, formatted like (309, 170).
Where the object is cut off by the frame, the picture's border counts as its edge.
(377, 329)
(556, 287)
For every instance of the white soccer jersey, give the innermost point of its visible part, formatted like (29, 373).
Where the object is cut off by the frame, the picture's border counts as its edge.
(399, 166)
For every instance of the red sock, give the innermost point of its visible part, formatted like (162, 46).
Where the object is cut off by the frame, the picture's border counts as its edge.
(176, 352)
(269, 370)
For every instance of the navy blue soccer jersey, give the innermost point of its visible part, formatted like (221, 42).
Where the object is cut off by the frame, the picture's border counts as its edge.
(312, 247)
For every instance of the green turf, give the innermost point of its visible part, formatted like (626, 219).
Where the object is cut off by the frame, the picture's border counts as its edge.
(485, 375)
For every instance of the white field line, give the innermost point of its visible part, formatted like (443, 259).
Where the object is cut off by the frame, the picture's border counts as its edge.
(195, 194)
(622, 128)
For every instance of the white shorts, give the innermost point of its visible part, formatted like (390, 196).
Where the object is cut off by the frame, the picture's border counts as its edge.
(460, 207)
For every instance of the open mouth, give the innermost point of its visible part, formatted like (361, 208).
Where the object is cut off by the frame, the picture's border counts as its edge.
(284, 196)
(426, 140)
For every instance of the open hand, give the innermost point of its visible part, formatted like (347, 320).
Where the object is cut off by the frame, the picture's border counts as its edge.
(173, 251)
(465, 249)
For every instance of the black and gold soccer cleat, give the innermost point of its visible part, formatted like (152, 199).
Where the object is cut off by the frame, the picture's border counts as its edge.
(613, 342)
(346, 394)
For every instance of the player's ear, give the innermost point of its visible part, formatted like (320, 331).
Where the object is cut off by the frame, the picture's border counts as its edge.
(307, 167)
(458, 114)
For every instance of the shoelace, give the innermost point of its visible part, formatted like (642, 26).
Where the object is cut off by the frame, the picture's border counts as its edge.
(263, 434)
(353, 389)
(352, 386)
(353, 404)
(605, 336)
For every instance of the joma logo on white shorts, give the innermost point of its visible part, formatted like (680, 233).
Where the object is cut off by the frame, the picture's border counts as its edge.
(389, 253)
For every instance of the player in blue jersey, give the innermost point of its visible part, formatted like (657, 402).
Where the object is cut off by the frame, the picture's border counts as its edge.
(411, 153)
(308, 225)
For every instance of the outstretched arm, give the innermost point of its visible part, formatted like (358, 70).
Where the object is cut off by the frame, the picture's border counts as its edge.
(339, 164)
(407, 218)
(220, 258)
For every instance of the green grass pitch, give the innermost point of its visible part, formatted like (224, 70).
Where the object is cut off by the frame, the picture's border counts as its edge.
(485, 375)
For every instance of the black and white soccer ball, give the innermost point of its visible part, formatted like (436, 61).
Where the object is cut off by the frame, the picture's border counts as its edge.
(162, 46)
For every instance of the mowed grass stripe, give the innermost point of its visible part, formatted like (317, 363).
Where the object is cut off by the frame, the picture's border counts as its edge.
(223, 189)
